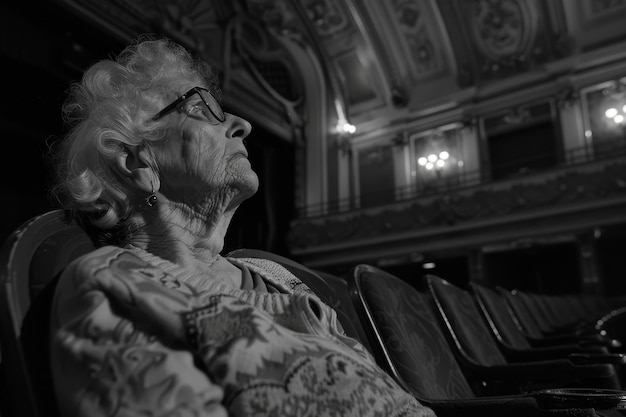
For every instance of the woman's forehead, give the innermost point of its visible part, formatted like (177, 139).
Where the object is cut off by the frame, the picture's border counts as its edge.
(181, 87)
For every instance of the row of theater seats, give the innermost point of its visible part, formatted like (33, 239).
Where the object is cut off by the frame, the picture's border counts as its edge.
(527, 325)
(460, 351)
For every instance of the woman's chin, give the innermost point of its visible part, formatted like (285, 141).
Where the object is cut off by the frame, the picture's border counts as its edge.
(247, 188)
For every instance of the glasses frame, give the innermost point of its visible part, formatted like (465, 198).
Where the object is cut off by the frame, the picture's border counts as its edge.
(219, 116)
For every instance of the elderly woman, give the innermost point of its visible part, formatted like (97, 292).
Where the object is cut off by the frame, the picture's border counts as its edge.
(155, 321)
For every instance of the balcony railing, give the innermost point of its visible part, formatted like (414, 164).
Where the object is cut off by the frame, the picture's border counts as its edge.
(455, 181)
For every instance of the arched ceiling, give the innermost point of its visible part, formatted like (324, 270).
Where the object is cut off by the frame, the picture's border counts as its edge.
(385, 61)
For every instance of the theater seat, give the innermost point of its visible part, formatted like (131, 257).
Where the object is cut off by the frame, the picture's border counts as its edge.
(417, 354)
(342, 304)
(30, 259)
(512, 341)
(539, 334)
(479, 354)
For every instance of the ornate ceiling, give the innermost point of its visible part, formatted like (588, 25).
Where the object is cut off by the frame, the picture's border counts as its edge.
(381, 61)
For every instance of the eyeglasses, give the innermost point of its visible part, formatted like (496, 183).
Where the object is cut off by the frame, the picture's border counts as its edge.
(209, 110)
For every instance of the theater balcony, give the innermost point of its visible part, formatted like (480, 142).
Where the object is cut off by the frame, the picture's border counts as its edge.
(550, 198)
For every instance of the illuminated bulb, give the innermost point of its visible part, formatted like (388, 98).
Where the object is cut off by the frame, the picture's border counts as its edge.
(440, 163)
(611, 113)
(422, 161)
(444, 155)
(429, 165)
(624, 109)
(428, 265)
(432, 157)
(619, 118)
(349, 128)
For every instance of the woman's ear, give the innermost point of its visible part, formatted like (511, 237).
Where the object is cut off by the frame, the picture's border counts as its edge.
(135, 164)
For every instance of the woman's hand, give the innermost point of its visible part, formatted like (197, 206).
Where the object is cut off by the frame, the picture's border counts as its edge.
(148, 298)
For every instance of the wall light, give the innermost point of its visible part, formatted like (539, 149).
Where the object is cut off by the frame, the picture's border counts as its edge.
(348, 128)
(344, 127)
(615, 114)
(434, 161)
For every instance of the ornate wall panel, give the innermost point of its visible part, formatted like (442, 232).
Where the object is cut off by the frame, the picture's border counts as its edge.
(503, 30)
(507, 38)
(595, 23)
(420, 36)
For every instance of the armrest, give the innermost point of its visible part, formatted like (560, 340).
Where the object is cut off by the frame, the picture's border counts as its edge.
(613, 324)
(529, 376)
(584, 341)
(509, 406)
(603, 340)
(601, 399)
(594, 358)
(544, 370)
(551, 352)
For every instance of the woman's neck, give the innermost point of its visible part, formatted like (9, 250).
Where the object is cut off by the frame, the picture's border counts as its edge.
(192, 239)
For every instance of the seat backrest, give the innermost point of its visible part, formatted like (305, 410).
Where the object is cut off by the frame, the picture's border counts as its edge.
(329, 288)
(521, 311)
(464, 322)
(565, 309)
(499, 317)
(30, 257)
(556, 311)
(340, 301)
(543, 315)
(409, 341)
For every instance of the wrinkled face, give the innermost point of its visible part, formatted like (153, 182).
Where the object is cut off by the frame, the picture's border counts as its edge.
(203, 159)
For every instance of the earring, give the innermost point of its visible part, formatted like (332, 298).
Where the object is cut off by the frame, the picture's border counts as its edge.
(151, 200)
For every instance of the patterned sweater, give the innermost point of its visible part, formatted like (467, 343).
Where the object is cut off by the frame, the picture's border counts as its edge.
(278, 351)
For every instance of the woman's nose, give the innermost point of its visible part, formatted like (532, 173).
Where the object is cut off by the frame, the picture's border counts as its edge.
(238, 127)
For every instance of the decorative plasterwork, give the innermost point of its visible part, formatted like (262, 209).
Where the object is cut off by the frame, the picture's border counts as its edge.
(329, 18)
(595, 23)
(278, 16)
(494, 39)
(505, 33)
(565, 189)
(503, 30)
(268, 63)
(219, 33)
(419, 28)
